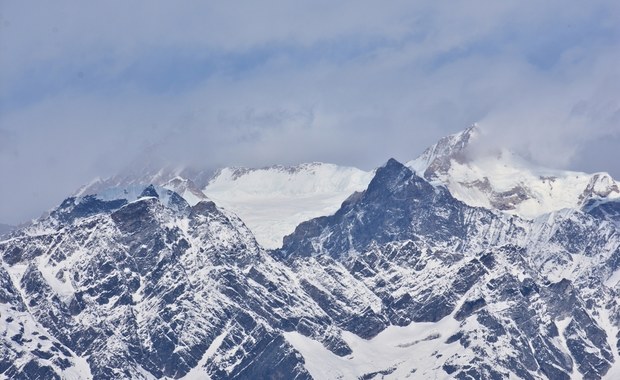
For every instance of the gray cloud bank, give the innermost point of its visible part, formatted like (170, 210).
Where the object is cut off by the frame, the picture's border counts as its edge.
(88, 89)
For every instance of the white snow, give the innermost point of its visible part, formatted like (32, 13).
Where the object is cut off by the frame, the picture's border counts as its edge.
(273, 201)
(612, 331)
(62, 286)
(198, 372)
(480, 178)
(80, 369)
(405, 352)
(613, 280)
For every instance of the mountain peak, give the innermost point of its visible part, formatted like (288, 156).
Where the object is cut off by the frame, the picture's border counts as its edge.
(389, 175)
(506, 181)
(149, 191)
(392, 163)
(438, 156)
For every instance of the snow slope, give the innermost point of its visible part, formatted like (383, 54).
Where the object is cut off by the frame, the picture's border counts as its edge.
(273, 201)
(396, 353)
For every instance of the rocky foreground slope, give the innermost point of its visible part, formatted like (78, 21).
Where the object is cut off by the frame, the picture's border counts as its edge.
(402, 281)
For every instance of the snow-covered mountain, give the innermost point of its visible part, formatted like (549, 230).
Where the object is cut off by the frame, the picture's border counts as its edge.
(483, 295)
(182, 181)
(500, 179)
(482, 266)
(149, 287)
(27, 350)
(273, 201)
(403, 280)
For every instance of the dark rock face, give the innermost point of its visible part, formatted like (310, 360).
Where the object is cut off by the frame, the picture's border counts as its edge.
(154, 287)
(273, 357)
(398, 205)
(448, 254)
(608, 210)
(72, 209)
(26, 352)
(147, 286)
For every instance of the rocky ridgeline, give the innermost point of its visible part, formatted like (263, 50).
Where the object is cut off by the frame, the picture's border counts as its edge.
(152, 287)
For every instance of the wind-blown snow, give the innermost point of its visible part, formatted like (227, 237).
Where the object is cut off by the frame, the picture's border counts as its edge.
(503, 180)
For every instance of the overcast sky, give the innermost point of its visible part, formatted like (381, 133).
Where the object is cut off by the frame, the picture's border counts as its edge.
(87, 88)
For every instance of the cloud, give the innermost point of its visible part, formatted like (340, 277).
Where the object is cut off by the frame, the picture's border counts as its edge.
(553, 118)
(88, 89)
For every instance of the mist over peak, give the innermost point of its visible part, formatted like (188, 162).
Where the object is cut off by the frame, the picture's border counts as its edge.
(87, 91)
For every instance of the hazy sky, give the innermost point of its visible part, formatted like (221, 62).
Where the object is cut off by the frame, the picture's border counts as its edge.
(87, 88)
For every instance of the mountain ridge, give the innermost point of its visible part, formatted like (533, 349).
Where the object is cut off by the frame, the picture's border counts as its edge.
(273, 200)
(403, 279)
